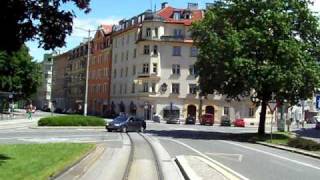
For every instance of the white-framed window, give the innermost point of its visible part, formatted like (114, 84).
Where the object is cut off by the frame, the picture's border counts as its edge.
(148, 32)
(156, 32)
(192, 88)
(192, 70)
(114, 73)
(134, 70)
(176, 15)
(125, 88)
(153, 87)
(122, 41)
(128, 38)
(120, 88)
(146, 49)
(176, 69)
(122, 56)
(115, 58)
(193, 52)
(177, 32)
(145, 68)
(126, 72)
(121, 72)
(155, 50)
(134, 53)
(175, 88)
(114, 89)
(145, 87)
(127, 55)
(226, 111)
(133, 88)
(155, 68)
(176, 51)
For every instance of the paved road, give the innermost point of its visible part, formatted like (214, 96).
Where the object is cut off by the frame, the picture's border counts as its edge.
(249, 160)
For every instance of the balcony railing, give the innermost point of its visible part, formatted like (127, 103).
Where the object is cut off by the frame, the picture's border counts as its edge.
(173, 38)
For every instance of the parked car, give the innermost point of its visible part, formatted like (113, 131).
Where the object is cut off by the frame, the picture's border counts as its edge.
(124, 124)
(317, 121)
(225, 121)
(239, 123)
(314, 120)
(156, 118)
(190, 120)
(173, 120)
(207, 119)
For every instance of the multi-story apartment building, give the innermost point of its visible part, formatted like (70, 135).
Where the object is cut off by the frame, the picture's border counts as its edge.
(59, 82)
(100, 72)
(43, 97)
(75, 78)
(153, 65)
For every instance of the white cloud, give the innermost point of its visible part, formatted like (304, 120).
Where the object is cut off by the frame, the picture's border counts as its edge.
(91, 24)
(316, 6)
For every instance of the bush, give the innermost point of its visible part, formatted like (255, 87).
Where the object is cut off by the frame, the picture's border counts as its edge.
(304, 144)
(72, 120)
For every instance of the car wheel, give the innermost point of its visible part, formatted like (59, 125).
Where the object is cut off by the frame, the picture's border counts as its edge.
(109, 130)
(124, 129)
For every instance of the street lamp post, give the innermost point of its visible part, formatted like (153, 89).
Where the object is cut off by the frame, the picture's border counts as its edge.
(87, 77)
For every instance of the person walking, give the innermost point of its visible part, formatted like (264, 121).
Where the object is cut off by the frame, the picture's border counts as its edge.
(29, 111)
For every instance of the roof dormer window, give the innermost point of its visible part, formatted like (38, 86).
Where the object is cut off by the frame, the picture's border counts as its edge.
(176, 15)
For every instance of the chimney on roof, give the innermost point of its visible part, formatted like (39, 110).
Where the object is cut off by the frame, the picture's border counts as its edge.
(164, 5)
(192, 6)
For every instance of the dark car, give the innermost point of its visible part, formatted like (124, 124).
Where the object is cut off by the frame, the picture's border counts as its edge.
(190, 120)
(317, 124)
(225, 121)
(125, 124)
(207, 119)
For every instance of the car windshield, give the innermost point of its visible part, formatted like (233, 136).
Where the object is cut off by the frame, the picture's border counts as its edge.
(120, 119)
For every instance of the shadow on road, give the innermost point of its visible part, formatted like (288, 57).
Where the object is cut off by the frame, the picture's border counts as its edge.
(209, 135)
(309, 133)
(3, 158)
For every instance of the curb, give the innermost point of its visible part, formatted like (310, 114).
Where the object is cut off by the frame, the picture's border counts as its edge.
(186, 170)
(66, 169)
(67, 127)
(290, 149)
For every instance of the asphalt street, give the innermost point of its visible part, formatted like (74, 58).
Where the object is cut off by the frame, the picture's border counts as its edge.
(251, 161)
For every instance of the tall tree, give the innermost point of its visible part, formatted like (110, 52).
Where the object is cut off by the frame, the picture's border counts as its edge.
(44, 20)
(18, 73)
(257, 48)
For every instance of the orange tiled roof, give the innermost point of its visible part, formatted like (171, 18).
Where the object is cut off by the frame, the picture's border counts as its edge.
(167, 14)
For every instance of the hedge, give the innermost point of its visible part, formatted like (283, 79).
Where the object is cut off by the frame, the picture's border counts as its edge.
(306, 144)
(71, 120)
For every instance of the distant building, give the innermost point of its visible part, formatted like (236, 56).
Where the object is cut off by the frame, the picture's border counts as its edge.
(59, 81)
(100, 72)
(76, 78)
(43, 97)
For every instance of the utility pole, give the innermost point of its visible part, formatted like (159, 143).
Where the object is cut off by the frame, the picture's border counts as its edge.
(87, 78)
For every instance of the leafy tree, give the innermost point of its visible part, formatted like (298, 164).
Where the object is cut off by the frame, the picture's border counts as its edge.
(44, 20)
(18, 73)
(259, 47)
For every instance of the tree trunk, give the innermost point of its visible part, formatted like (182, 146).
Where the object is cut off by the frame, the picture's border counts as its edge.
(261, 130)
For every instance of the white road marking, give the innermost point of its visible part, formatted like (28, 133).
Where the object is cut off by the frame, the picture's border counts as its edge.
(208, 158)
(229, 156)
(271, 154)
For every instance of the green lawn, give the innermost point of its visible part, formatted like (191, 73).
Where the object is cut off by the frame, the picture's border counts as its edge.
(38, 161)
(71, 120)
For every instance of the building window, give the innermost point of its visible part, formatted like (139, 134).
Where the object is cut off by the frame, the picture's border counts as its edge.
(125, 88)
(146, 49)
(114, 73)
(145, 87)
(176, 16)
(128, 38)
(133, 88)
(145, 68)
(122, 41)
(177, 32)
(126, 72)
(176, 69)
(155, 68)
(153, 87)
(127, 55)
(193, 52)
(176, 51)
(134, 70)
(148, 32)
(121, 72)
(114, 89)
(120, 88)
(175, 88)
(156, 32)
(192, 70)
(155, 50)
(192, 88)
(251, 112)
(134, 53)
(226, 111)
(115, 58)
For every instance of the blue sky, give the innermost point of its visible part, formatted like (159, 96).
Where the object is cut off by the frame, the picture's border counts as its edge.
(110, 12)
